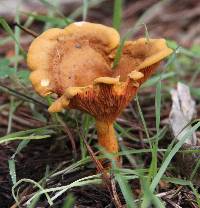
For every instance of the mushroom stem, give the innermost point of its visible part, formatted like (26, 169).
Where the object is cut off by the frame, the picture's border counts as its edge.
(106, 136)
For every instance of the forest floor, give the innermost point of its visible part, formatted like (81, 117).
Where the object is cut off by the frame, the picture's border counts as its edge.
(41, 151)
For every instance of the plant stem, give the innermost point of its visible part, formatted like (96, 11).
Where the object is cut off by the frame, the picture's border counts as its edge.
(106, 136)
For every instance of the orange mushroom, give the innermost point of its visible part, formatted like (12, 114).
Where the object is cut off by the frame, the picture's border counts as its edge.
(76, 64)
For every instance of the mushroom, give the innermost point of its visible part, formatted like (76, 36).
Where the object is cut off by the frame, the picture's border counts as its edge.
(76, 64)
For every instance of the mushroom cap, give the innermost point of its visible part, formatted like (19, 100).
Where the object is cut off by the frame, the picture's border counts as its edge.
(76, 63)
(74, 56)
(140, 54)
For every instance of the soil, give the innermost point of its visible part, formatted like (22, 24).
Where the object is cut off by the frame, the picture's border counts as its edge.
(179, 21)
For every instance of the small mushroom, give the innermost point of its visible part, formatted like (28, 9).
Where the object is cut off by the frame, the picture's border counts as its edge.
(76, 64)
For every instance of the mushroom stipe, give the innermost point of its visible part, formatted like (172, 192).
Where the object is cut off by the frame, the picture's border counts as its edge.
(76, 64)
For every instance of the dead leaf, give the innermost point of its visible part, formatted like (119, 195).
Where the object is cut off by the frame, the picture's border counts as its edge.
(182, 112)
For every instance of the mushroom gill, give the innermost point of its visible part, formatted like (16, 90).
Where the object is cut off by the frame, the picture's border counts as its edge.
(76, 63)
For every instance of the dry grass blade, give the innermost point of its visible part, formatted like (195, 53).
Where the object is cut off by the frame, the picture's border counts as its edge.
(34, 34)
(71, 138)
(21, 96)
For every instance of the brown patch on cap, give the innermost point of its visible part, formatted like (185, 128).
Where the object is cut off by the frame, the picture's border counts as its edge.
(73, 56)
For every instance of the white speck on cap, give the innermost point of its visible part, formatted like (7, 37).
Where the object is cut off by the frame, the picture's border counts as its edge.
(44, 82)
(79, 23)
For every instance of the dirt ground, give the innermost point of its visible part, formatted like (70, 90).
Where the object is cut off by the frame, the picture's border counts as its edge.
(176, 20)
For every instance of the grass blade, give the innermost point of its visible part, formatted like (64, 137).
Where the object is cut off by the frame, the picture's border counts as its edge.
(146, 16)
(158, 105)
(7, 28)
(126, 190)
(171, 155)
(21, 95)
(52, 7)
(117, 14)
(79, 11)
(197, 195)
(69, 202)
(42, 130)
(12, 170)
(35, 184)
(196, 168)
(21, 146)
(149, 197)
(85, 9)
(152, 81)
(57, 21)
(153, 167)
(31, 137)
(143, 120)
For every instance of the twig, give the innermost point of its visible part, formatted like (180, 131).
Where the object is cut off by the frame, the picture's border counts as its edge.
(20, 95)
(108, 180)
(71, 138)
(30, 32)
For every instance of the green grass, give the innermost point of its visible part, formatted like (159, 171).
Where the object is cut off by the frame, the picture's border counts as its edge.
(69, 202)
(53, 21)
(131, 32)
(126, 190)
(117, 14)
(85, 9)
